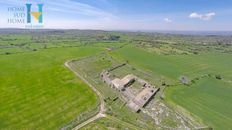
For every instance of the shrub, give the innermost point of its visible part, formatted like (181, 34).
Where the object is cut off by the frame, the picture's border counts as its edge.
(7, 53)
(218, 77)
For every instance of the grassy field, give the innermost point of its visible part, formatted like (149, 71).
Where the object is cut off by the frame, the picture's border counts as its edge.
(173, 66)
(209, 99)
(108, 124)
(38, 92)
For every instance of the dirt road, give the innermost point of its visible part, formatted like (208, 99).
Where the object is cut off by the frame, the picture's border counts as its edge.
(102, 104)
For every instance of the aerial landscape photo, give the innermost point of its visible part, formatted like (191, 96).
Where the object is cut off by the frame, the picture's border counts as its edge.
(115, 65)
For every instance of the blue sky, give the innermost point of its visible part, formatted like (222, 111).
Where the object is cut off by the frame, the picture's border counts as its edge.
(194, 15)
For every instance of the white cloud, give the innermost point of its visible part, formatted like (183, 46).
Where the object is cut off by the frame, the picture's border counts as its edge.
(167, 20)
(206, 16)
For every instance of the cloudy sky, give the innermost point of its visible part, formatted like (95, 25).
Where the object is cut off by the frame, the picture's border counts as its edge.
(192, 15)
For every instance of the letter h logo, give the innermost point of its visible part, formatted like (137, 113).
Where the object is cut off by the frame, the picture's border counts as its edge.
(38, 15)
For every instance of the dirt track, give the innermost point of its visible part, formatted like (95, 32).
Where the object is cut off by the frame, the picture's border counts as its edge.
(102, 104)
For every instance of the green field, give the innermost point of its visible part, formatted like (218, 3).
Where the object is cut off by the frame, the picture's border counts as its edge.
(38, 92)
(209, 99)
(109, 123)
(173, 66)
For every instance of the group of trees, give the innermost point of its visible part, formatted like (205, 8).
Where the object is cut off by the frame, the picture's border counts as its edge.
(108, 37)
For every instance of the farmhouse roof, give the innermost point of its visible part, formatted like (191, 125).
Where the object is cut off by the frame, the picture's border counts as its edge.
(127, 79)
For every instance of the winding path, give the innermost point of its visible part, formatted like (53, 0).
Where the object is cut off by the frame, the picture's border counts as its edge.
(102, 104)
